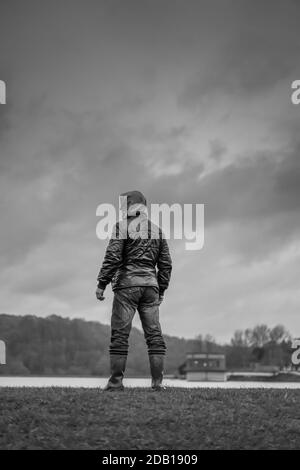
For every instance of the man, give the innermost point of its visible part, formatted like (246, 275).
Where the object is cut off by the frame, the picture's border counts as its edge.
(138, 264)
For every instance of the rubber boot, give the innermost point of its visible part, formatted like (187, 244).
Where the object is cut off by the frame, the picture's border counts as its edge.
(117, 367)
(157, 371)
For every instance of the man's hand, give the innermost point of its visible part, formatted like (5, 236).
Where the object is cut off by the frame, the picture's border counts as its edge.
(99, 294)
(160, 299)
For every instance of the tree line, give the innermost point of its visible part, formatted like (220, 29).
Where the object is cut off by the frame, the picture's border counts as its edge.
(63, 346)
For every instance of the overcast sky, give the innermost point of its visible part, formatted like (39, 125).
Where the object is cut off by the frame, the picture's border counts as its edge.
(186, 101)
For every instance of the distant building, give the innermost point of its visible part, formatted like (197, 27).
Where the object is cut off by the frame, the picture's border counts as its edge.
(205, 367)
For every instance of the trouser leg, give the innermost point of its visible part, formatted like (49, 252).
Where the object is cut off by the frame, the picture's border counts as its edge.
(149, 314)
(124, 306)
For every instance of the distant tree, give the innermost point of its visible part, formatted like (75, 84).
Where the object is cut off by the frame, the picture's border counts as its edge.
(238, 339)
(269, 346)
(61, 346)
(257, 354)
(238, 352)
(199, 343)
(248, 334)
(279, 334)
(260, 335)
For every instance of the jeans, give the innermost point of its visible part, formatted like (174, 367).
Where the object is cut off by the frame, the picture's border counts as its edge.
(126, 302)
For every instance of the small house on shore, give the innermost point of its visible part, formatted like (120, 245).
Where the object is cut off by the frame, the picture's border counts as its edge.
(205, 367)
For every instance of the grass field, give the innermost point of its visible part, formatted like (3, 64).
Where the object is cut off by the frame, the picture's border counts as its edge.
(55, 418)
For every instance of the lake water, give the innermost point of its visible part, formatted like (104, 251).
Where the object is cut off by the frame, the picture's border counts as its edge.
(94, 382)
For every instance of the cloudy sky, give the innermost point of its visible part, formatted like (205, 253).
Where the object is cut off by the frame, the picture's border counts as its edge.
(188, 101)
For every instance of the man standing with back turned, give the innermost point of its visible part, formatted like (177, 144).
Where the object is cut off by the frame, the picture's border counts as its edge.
(138, 264)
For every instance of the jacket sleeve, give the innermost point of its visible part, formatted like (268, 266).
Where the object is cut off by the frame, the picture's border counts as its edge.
(164, 266)
(113, 259)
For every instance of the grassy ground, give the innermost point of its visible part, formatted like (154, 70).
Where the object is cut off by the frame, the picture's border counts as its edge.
(55, 418)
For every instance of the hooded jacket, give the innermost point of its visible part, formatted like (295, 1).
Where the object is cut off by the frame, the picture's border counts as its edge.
(137, 253)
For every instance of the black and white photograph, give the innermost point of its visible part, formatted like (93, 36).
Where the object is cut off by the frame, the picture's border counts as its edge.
(150, 229)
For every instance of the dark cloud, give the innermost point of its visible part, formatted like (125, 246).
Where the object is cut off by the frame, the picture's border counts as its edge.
(258, 53)
(258, 198)
(218, 149)
(102, 99)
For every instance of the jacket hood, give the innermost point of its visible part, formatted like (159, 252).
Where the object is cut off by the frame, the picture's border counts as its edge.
(136, 203)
